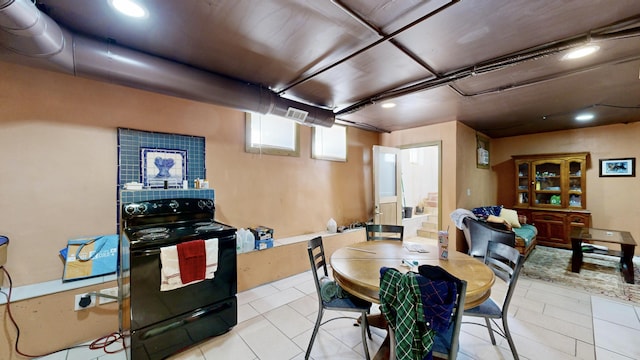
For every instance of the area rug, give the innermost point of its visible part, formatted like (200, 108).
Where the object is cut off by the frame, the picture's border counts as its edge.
(599, 274)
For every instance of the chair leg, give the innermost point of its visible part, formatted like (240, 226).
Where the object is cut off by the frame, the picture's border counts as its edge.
(391, 338)
(313, 335)
(493, 338)
(358, 323)
(507, 334)
(365, 329)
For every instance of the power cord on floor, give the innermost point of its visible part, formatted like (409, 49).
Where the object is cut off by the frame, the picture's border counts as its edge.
(104, 342)
(101, 343)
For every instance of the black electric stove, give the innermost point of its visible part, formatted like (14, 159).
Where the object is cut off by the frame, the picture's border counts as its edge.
(158, 324)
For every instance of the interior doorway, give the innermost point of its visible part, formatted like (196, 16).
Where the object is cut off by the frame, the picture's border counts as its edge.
(421, 189)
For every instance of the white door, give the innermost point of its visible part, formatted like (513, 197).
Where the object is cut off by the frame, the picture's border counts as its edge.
(387, 185)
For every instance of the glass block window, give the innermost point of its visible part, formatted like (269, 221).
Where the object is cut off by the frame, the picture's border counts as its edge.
(329, 143)
(271, 135)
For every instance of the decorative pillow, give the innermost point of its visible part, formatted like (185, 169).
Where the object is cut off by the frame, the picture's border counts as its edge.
(511, 216)
(499, 220)
(483, 212)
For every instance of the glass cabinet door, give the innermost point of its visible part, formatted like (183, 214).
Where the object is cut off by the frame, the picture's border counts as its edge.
(575, 183)
(522, 183)
(547, 189)
(551, 181)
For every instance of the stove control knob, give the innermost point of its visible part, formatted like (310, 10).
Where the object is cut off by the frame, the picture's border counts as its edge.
(205, 204)
(142, 208)
(174, 205)
(131, 209)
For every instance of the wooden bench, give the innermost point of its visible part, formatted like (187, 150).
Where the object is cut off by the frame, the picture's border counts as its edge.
(525, 237)
(525, 244)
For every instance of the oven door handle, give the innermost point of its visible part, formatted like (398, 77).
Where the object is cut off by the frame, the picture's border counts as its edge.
(189, 318)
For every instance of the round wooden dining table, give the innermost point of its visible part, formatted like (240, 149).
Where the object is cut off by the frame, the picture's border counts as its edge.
(356, 268)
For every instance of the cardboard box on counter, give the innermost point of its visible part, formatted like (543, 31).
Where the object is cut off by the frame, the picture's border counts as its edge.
(262, 232)
(264, 244)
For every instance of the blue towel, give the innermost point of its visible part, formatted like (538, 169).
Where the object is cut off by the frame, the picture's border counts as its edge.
(330, 290)
(526, 232)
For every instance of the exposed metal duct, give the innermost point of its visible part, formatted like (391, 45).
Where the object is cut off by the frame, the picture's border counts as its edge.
(26, 31)
(610, 32)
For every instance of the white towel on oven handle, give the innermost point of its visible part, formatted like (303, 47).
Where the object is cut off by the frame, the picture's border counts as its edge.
(170, 272)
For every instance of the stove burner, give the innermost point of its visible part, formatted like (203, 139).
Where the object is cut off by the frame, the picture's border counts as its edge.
(152, 231)
(208, 227)
(154, 236)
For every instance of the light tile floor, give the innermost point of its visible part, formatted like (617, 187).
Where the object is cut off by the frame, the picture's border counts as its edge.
(547, 322)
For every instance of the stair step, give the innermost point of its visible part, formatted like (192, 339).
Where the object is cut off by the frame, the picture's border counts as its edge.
(431, 220)
(428, 233)
(432, 200)
(431, 226)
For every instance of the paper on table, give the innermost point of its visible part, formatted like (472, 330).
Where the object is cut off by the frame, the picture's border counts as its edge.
(416, 248)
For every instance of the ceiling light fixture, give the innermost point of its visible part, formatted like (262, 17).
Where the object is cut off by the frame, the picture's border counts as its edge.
(585, 117)
(388, 105)
(581, 52)
(129, 8)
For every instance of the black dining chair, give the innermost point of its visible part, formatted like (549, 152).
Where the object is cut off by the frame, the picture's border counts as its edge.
(384, 232)
(446, 342)
(318, 262)
(506, 262)
(478, 234)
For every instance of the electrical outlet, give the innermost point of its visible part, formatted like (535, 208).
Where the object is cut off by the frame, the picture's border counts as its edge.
(111, 292)
(84, 301)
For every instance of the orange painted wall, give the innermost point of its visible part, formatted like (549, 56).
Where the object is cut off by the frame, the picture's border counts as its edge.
(444, 132)
(458, 173)
(613, 202)
(58, 150)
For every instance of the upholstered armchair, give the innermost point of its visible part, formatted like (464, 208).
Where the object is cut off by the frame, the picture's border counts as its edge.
(501, 219)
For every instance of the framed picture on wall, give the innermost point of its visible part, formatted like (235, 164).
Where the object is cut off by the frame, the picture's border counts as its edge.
(618, 167)
(482, 152)
(163, 166)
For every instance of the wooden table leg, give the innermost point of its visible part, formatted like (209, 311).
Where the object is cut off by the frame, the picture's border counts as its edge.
(626, 262)
(576, 256)
(384, 352)
(377, 321)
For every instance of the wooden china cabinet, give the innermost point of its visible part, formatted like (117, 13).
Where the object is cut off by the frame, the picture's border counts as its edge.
(551, 191)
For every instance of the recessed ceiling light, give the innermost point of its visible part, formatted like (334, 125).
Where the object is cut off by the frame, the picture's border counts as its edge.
(585, 117)
(129, 8)
(388, 105)
(581, 52)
